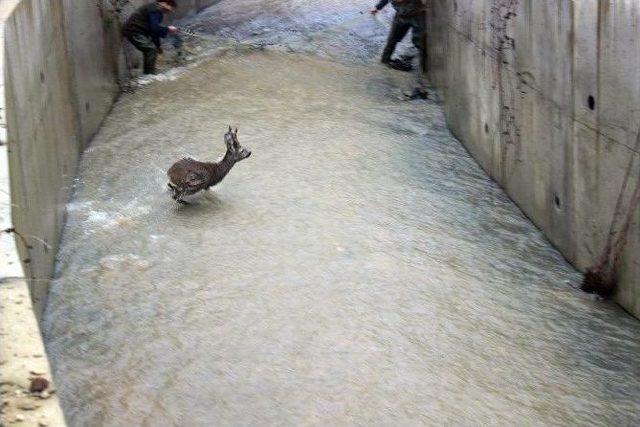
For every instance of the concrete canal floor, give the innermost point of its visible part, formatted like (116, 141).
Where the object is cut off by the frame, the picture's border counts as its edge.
(358, 269)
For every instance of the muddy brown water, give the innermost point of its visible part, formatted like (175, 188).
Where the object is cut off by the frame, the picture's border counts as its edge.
(358, 269)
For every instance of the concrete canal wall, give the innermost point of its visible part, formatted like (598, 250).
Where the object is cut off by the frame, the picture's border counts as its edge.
(545, 94)
(59, 67)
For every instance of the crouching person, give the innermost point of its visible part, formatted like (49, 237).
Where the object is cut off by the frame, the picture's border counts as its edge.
(410, 15)
(144, 30)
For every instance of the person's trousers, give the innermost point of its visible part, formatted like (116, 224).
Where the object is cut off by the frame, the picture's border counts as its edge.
(399, 29)
(149, 50)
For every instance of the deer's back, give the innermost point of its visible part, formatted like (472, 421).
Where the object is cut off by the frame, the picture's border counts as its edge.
(182, 171)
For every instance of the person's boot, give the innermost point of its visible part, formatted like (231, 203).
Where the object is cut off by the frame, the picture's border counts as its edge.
(418, 93)
(399, 65)
(387, 53)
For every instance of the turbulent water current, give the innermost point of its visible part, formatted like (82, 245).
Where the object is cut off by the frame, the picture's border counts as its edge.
(358, 269)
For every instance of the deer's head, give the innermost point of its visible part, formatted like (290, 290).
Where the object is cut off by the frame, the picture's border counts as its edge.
(234, 149)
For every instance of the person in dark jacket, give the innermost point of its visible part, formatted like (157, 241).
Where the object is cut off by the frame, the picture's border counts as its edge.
(409, 16)
(144, 30)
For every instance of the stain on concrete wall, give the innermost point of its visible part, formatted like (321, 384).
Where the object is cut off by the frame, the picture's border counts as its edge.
(546, 96)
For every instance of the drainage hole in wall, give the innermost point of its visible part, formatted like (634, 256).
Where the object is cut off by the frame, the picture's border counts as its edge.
(41, 77)
(556, 201)
(591, 102)
(87, 107)
(486, 128)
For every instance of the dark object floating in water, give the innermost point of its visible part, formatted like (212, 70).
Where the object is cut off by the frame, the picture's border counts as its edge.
(189, 176)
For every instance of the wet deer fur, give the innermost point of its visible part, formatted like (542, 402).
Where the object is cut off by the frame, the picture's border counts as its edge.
(189, 176)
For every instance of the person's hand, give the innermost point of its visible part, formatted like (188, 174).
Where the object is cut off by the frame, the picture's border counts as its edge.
(374, 11)
(173, 30)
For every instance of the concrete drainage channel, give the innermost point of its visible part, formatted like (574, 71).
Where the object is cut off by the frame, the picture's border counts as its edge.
(61, 85)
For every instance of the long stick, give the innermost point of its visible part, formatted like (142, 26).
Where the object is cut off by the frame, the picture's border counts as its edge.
(623, 236)
(606, 259)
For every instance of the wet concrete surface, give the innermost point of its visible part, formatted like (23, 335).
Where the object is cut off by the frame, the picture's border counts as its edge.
(358, 269)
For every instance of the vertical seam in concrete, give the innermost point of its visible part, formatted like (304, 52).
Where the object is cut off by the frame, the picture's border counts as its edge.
(72, 73)
(570, 145)
(597, 105)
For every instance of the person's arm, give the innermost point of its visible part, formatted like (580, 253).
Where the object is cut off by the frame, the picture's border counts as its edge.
(157, 30)
(381, 4)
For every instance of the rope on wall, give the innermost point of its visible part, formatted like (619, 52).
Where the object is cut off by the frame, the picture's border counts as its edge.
(23, 239)
(602, 278)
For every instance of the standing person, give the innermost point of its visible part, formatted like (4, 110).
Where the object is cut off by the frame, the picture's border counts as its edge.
(409, 16)
(144, 30)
